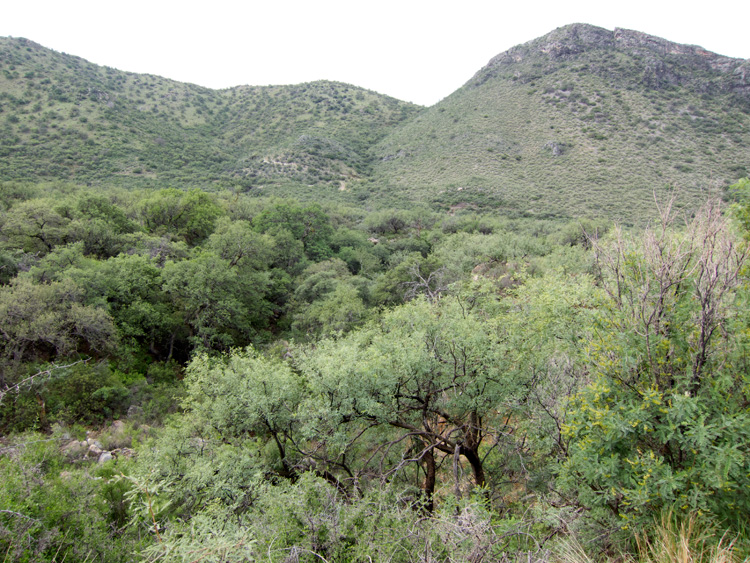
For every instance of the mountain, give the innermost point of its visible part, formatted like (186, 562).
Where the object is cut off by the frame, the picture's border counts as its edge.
(64, 118)
(582, 121)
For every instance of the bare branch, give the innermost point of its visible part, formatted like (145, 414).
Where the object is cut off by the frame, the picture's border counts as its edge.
(32, 379)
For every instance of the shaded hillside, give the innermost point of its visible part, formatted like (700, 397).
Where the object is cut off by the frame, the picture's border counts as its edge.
(581, 121)
(64, 118)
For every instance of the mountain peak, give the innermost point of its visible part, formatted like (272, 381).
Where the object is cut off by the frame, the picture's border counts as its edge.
(575, 40)
(620, 112)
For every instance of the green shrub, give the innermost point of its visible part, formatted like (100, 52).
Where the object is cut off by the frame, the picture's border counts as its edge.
(664, 422)
(86, 393)
(52, 511)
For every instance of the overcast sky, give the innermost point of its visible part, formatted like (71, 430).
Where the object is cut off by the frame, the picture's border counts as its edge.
(419, 51)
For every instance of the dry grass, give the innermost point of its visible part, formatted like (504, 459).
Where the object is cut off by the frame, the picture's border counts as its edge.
(671, 540)
(686, 541)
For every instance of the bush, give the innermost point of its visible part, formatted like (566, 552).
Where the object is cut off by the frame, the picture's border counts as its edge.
(88, 394)
(664, 422)
(55, 512)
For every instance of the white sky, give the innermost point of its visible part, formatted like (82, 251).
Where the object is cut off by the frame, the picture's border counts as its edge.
(415, 50)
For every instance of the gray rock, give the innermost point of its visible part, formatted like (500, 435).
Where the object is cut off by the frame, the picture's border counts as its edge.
(75, 448)
(124, 452)
(554, 147)
(105, 457)
(97, 443)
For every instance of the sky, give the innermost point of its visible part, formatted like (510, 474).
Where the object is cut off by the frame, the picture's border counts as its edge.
(414, 50)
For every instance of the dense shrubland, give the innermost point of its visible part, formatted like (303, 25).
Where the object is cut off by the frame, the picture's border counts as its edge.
(287, 381)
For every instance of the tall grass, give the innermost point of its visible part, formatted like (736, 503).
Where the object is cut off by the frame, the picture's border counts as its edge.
(671, 540)
(687, 540)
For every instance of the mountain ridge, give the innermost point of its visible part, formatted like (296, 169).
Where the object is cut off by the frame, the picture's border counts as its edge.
(577, 122)
(573, 39)
(572, 123)
(63, 113)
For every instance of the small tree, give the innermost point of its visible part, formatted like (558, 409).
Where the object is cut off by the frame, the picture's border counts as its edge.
(436, 384)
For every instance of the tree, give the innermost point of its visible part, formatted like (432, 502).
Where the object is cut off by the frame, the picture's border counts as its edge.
(38, 320)
(308, 224)
(36, 226)
(248, 395)
(130, 288)
(237, 243)
(430, 380)
(219, 307)
(99, 224)
(94, 206)
(388, 221)
(411, 275)
(190, 215)
(339, 311)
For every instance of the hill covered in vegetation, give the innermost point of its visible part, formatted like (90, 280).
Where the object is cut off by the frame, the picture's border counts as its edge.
(66, 119)
(582, 121)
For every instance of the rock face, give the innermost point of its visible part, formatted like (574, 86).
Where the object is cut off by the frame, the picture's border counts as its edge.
(663, 62)
(642, 43)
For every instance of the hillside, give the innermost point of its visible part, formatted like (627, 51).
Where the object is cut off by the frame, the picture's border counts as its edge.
(581, 121)
(64, 118)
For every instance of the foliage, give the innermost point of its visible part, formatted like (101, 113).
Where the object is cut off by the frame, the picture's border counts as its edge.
(218, 305)
(685, 540)
(308, 224)
(327, 300)
(66, 118)
(248, 395)
(430, 382)
(190, 215)
(39, 319)
(52, 512)
(36, 226)
(668, 540)
(741, 208)
(473, 375)
(664, 422)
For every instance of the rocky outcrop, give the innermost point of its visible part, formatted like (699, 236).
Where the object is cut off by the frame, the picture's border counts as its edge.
(657, 63)
(93, 450)
(642, 43)
(555, 147)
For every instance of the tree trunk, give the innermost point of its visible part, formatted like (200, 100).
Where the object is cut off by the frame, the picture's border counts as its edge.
(472, 456)
(429, 480)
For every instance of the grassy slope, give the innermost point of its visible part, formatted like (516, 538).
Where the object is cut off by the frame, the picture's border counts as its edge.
(62, 117)
(566, 126)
